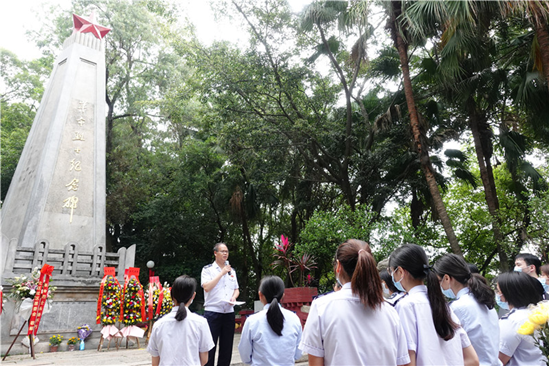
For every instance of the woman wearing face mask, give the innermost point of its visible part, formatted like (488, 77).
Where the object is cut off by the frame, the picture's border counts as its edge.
(391, 293)
(516, 291)
(474, 305)
(354, 326)
(432, 330)
(181, 337)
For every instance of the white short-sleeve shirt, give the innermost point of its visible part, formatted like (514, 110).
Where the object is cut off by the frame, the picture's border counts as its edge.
(217, 299)
(481, 325)
(417, 321)
(343, 331)
(260, 345)
(520, 348)
(180, 342)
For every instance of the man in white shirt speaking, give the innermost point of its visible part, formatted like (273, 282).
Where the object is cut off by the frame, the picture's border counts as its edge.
(220, 292)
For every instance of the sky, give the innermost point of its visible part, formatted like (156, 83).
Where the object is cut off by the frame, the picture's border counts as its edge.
(19, 16)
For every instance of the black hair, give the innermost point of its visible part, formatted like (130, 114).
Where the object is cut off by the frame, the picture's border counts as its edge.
(520, 289)
(216, 246)
(386, 277)
(473, 268)
(413, 259)
(183, 289)
(272, 287)
(455, 266)
(530, 259)
(360, 266)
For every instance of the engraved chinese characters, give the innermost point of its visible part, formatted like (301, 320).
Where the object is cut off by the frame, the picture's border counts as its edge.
(75, 166)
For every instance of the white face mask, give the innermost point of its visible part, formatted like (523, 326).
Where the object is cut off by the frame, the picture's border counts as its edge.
(386, 291)
(517, 269)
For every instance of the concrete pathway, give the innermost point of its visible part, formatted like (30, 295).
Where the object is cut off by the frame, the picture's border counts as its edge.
(131, 356)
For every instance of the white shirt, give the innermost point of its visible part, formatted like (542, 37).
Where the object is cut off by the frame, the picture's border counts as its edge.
(345, 332)
(520, 348)
(180, 342)
(217, 299)
(481, 325)
(417, 322)
(260, 345)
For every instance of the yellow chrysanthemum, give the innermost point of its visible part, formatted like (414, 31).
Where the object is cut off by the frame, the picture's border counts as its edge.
(527, 328)
(538, 317)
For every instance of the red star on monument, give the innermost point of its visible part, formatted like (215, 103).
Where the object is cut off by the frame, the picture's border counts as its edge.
(84, 25)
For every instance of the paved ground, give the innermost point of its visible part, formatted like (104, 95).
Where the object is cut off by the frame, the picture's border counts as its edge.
(132, 356)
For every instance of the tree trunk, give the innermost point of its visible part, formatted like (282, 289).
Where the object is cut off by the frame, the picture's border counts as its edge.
(487, 177)
(418, 134)
(540, 26)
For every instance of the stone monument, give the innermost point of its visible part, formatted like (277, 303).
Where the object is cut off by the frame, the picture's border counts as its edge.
(54, 211)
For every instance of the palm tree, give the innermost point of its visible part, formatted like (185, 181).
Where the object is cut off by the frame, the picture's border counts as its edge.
(398, 33)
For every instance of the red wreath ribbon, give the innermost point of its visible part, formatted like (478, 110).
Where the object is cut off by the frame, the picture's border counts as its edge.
(107, 271)
(40, 298)
(154, 282)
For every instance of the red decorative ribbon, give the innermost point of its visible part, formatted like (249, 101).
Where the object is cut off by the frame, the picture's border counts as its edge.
(154, 283)
(40, 298)
(107, 271)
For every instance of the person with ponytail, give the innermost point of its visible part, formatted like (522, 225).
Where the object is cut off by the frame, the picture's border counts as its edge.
(271, 336)
(181, 337)
(432, 330)
(516, 291)
(474, 305)
(354, 326)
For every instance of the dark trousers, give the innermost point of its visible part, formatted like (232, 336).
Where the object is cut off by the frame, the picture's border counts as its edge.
(222, 327)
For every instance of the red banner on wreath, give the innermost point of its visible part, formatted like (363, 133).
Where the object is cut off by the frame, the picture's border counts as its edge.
(40, 298)
(107, 271)
(154, 282)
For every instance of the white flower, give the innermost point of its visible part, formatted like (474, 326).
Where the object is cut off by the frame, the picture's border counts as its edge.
(32, 292)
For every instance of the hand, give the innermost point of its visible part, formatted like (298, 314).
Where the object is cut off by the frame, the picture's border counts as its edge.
(233, 299)
(227, 269)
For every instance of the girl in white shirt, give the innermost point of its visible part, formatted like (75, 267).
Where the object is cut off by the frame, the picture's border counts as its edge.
(432, 330)
(354, 326)
(517, 290)
(271, 336)
(181, 337)
(474, 305)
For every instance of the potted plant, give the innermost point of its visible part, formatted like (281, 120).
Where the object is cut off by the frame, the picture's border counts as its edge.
(72, 342)
(55, 341)
(296, 299)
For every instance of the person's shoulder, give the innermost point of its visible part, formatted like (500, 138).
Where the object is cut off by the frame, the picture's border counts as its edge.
(324, 299)
(196, 318)
(207, 266)
(290, 314)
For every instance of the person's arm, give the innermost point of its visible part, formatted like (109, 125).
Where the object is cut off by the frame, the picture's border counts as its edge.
(208, 286)
(470, 357)
(316, 361)
(504, 358)
(412, 358)
(156, 361)
(203, 358)
(235, 296)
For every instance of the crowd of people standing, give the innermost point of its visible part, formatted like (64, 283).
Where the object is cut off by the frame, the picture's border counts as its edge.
(404, 311)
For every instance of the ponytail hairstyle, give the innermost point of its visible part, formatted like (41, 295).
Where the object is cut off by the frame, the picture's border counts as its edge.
(456, 267)
(183, 289)
(272, 287)
(413, 259)
(359, 265)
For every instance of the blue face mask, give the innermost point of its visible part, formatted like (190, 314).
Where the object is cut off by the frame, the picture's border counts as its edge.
(448, 293)
(397, 284)
(501, 304)
(517, 269)
(545, 285)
